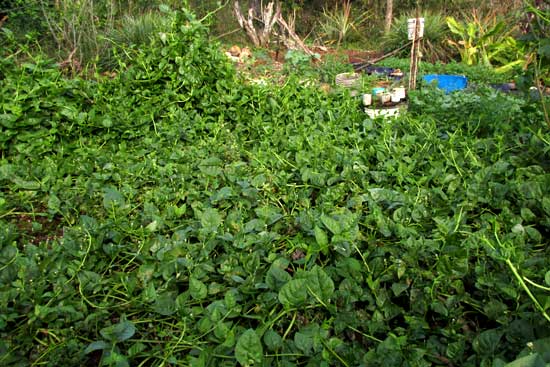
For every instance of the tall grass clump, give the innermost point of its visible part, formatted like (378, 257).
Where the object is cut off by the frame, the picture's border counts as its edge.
(338, 24)
(132, 32)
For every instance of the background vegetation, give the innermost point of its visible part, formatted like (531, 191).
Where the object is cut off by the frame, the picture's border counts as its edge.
(87, 30)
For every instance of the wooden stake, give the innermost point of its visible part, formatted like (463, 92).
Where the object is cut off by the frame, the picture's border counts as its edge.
(415, 53)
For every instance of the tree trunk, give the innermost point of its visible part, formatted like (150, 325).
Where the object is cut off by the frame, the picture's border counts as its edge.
(389, 15)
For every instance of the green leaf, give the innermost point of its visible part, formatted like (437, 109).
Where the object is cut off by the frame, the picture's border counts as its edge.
(112, 198)
(152, 227)
(197, 289)
(399, 288)
(294, 293)
(319, 284)
(230, 299)
(222, 194)
(120, 332)
(277, 276)
(547, 278)
(544, 48)
(248, 350)
(26, 185)
(210, 219)
(269, 214)
(165, 304)
(304, 342)
(487, 342)
(54, 203)
(331, 224)
(322, 239)
(136, 348)
(533, 360)
(455, 27)
(97, 345)
(115, 359)
(272, 340)
(311, 339)
(107, 122)
(540, 346)
(163, 8)
(8, 120)
(546, 205)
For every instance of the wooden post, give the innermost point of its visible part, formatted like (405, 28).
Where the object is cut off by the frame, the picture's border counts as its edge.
(389, 16)
(415, 52)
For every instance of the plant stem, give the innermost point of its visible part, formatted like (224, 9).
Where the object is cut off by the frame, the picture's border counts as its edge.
(541, 91)
(535, 284)
(527, 290)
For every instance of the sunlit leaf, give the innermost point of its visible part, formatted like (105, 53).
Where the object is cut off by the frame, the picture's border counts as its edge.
(249, 350)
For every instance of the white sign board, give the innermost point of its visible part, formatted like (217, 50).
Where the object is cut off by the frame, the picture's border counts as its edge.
(411, 24)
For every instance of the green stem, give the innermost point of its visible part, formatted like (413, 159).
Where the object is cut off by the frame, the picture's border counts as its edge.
(527, 290)
(365, 335)
(335, 354)
(290, 326)
(535, 284)
(540, 90)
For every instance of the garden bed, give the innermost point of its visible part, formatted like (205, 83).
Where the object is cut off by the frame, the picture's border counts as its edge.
(186, 217)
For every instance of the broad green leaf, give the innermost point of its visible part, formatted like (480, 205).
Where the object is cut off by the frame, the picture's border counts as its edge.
(197, 289)
(533, 360)
(304, 342)
(495, 30)
(116, 359)
(277, 276)
(319, 284)
(152, 227)
(120, 332)
(332, 224)
(136, 348)
(230, 299)
(540, 346)
(211, 166)
(107, 122)
(547, 278)
(163, 8)
(269, 214)
(487, 342)
(294, 293)
(399, 288)
(221, 330)
(222, 194)
(528, 215)
(546, 205)
(97, 345)
(112, 198)
(165, 304)
(249, 351)
(8, 120)
(210, 219)
(455, 27)
(272, 340)
(322, 239)
(311, 338)
(54, 203)
(26, 185)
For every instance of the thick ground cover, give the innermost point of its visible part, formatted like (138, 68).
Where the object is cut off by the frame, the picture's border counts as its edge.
(174, 215)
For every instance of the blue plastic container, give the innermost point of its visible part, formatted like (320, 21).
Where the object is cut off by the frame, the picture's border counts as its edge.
(448, 83)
